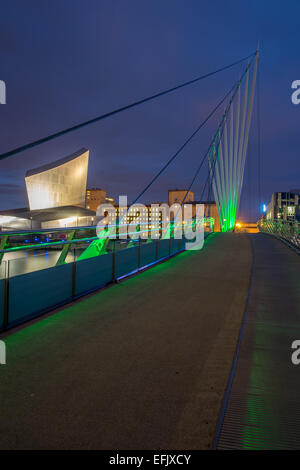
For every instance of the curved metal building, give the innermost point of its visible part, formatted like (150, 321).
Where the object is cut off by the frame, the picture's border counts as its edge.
(61, 183)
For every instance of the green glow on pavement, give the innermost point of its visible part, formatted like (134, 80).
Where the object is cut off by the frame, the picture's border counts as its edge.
(66, 315)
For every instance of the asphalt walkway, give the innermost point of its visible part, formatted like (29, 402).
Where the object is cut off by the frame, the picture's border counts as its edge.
(140, 365)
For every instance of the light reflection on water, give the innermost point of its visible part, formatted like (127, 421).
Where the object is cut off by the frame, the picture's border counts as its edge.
(23, 262)
(29, 261)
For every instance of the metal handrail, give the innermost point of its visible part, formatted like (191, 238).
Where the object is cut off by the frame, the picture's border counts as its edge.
(285, 229)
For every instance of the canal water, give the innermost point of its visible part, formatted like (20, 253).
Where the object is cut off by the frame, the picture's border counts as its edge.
(17, 263)
(23, 262)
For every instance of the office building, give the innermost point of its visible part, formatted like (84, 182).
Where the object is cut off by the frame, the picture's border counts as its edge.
(95, 197)
(178, 195)
(284, 206)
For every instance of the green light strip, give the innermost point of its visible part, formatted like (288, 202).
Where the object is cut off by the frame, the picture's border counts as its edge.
(80, 240)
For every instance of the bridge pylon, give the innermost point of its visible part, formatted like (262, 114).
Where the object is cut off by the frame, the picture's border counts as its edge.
(228, 152)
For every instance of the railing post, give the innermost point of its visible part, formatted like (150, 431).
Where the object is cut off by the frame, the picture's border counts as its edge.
(74, 279)
(65, 249)
(139, 253)
(6, 298)
(113, 273)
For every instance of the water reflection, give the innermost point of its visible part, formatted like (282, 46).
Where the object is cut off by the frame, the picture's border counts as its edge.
(23, 262)
(29, 261)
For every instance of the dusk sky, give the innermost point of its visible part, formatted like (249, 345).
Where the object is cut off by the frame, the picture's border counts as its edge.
(67, 61)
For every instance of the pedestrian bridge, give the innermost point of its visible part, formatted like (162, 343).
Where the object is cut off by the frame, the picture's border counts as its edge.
(194, 352)
(180, 349)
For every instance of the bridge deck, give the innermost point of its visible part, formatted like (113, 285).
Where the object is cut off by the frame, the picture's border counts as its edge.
(263, 409)
(142, 364)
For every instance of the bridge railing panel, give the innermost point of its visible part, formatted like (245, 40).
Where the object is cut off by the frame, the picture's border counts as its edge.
(148, 253)
(93, 273)
(181, 244)
(38, 291)
(126, 261)
(163, 248)
(174, 245)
